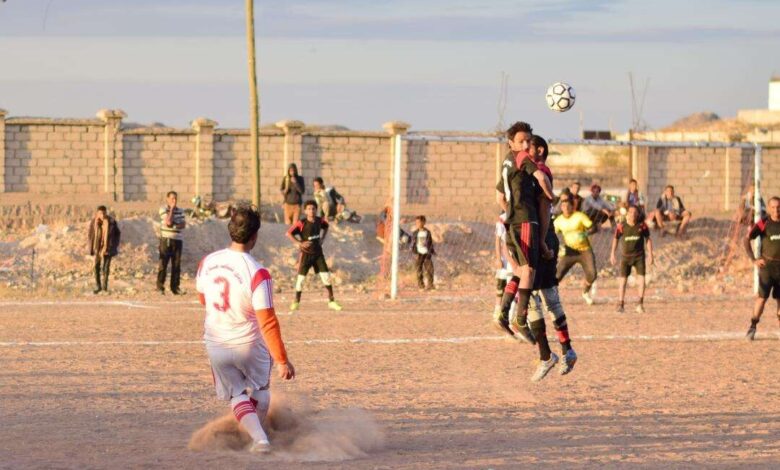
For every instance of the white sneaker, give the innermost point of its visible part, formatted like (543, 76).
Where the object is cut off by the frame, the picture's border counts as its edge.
(260, 447)
(588, 298)
(640, 308)
(568, 362)
(544, 367)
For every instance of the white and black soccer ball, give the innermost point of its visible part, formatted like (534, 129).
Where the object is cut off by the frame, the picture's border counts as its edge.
(560, 97)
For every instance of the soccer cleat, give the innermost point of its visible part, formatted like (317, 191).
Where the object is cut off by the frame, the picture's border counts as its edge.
(260, 447)
(294, 306)
(751, 334)
(569, 359)
(640, 308)
(544, 367)
(588, 298)
(620, 309)
(333, 305)
(97, 291)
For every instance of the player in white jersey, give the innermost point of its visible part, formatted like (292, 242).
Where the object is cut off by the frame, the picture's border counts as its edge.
(242, 333)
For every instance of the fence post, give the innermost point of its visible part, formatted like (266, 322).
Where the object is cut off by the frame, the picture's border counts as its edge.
(204, 156)
(3, 113)
(394, 128)
(291, 128)
(727, 182)
(113, 165)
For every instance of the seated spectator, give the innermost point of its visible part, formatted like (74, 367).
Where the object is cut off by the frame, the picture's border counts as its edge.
(576, 199)
(332, 205)
(597, 209)
(670, 208)
(635, 198)
(746, 213)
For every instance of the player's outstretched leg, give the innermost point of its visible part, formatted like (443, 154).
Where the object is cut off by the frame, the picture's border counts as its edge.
(553, 305)
(502, 319)
(539, 331)
(500, 286)
(524, 330)
(246, 414)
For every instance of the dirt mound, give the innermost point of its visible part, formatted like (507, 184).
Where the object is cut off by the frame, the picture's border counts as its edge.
(464, 256)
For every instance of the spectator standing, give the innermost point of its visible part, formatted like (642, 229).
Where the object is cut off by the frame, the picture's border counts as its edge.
(746, 211)
(670, 208)
(576, 199)
(292, 190)
(422, 246)
(103, 236)
(171, 243)
(597, 209)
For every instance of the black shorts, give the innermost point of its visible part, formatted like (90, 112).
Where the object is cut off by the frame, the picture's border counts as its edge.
(769, 280)
(638, 263)
(547, 269)
(523, 243)
(308, 261)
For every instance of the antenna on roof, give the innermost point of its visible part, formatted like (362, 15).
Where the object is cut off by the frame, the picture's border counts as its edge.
(638, 122)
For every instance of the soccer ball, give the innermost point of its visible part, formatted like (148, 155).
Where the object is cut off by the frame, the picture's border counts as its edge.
(560, 97)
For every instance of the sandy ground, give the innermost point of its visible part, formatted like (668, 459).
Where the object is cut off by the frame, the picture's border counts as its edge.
(104, 384)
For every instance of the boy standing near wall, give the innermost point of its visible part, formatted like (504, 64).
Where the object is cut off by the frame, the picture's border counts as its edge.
(171, 243)
(635, 235)
(422, 246)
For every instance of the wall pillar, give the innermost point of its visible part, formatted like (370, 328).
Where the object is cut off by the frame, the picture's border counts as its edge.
(640, 169)
(291, 129)
(394, 128)
(113, 155)
(204, 157)
(3, 114)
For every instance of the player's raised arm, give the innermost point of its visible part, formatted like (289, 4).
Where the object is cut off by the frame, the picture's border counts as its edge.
(544, 182)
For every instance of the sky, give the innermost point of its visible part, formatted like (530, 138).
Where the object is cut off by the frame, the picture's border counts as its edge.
(435, 64)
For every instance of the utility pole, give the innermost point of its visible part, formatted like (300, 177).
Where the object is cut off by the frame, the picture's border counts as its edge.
(254, 106)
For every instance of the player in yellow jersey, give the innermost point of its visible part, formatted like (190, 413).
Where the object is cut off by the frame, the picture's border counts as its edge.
(576, 249)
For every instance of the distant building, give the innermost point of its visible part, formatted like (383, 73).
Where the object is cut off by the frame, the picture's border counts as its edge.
(764, 117)
(774, 94)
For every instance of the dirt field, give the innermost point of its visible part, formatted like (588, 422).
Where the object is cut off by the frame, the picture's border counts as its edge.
(113, 384)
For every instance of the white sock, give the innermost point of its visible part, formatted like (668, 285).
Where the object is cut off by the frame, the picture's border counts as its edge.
(245, 413)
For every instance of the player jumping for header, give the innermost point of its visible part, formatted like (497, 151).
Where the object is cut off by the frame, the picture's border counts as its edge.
(308, 234)
(242, 332)
(768, 229)
(519, 193)
(546, 284)
(634, 234)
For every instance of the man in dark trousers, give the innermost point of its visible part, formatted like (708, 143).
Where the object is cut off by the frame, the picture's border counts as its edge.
(422, 246)
(172, 224)
(103, 245)
(292, 190)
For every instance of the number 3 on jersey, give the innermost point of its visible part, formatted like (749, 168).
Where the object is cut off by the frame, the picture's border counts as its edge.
(225, 294)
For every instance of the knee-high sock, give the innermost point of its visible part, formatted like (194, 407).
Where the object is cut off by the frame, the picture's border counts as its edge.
(509, 295)
(523, 298)
(540, 333)
(562, 331)
(245, 413)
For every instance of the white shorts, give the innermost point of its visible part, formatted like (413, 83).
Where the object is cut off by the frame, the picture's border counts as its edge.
(237, 367)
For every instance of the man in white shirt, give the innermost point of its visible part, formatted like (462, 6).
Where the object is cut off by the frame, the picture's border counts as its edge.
(242, 333)
(597, 209)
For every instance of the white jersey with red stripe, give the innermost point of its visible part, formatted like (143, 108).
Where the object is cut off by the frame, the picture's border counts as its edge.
(234, 286)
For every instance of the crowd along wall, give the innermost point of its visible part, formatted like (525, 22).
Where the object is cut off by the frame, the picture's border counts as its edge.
(106, 160)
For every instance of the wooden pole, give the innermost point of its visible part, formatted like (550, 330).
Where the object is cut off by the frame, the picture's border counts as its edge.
(254, 106)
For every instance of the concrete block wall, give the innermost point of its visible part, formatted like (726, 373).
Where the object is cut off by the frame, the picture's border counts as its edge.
(53, 156)
(156, 161)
